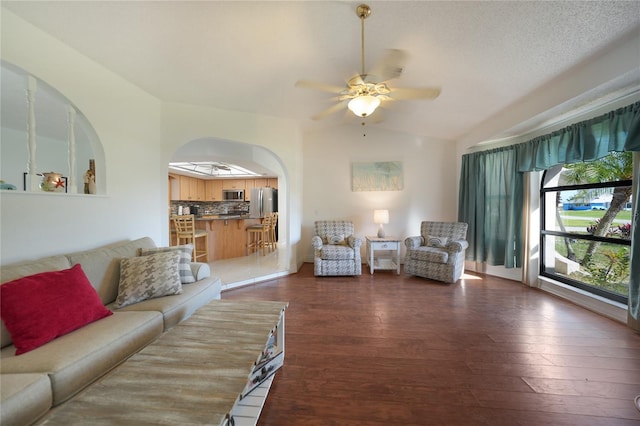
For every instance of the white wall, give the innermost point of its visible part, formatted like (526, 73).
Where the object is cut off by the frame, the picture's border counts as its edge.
(429, 181)
(127, 121)
(139, 134)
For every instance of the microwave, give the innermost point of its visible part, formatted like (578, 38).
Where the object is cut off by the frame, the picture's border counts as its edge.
(233, 194)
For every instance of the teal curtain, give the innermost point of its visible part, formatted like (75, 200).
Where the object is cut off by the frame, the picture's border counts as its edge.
(491, 185)
(585, 141)
(492, 206)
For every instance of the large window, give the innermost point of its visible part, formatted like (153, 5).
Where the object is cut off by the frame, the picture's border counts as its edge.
(586, 225)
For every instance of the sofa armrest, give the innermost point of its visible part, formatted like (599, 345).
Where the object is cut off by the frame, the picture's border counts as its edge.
(457, 246)
(316, 242)
(200, 270)
(354, 242)
(413, 242)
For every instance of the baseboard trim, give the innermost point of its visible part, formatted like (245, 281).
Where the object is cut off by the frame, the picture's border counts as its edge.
(255, 280)
(608, 308)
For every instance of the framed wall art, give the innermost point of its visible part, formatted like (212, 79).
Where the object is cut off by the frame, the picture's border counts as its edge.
(377, 176)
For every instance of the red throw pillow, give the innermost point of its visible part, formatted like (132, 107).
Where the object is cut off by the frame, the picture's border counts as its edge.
(38, 308)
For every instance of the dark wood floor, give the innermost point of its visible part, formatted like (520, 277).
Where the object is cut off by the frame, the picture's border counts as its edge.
(397, 350)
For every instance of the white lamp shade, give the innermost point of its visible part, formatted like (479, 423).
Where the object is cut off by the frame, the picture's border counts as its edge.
(381, 216)
(363, 106)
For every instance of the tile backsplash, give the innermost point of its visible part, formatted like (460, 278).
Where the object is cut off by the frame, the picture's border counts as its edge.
(211, 207)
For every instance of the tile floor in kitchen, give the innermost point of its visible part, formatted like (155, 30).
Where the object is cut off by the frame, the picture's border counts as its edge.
(251, 269)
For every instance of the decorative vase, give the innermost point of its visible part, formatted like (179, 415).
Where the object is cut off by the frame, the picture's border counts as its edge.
(52, 182)
(90, 178)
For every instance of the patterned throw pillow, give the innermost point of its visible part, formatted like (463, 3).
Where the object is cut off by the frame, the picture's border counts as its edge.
(335, 240)
(186, 276)
(148, 277)
(439, 242)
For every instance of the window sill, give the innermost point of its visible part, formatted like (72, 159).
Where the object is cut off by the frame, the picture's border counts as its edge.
(608, 308)
(50, 194)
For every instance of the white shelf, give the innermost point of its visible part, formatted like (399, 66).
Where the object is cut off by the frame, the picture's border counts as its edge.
(388, 262)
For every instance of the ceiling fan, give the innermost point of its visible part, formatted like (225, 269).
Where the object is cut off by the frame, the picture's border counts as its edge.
(365, 92)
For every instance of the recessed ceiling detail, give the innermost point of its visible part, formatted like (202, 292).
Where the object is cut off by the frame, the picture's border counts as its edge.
(212, 169)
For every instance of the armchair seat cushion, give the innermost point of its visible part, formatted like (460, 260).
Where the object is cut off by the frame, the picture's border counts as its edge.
(337, 252)
(429, 254)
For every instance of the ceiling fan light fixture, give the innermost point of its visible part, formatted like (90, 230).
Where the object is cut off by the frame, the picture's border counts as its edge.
(364, 105)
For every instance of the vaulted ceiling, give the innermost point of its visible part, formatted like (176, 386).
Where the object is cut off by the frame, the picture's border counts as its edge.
(246, 56)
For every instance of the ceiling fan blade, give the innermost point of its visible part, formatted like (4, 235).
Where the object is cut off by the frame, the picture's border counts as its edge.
(331, 110)
(357, 79)
(415, 93)
(390, 66)
(308, 84)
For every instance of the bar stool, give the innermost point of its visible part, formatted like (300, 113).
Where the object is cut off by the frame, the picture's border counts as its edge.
(258, 236)
(273, 238)
(186, 230)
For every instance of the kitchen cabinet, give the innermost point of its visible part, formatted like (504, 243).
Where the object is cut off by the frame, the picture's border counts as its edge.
(227, 237)
(191, 189)
(213, 190)
(233, 184)
(174, 187)
(249, 184)
(201, 189)
(272, 182)
(260, 183)
(185, 188)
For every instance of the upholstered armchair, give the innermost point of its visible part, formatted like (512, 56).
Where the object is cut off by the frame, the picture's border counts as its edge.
(336, 249)
(438, 253)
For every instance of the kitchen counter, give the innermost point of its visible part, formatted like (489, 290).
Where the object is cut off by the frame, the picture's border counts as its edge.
(227, 234)
(225, 217)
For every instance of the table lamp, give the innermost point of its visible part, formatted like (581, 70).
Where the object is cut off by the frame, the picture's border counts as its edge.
(381, 217)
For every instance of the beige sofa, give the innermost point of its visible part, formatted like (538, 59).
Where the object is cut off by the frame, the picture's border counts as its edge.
(32, 383)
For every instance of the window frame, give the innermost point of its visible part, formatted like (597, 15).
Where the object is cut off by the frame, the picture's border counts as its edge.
(543, 233)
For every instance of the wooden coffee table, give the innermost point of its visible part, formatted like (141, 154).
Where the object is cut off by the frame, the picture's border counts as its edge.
(194, 373)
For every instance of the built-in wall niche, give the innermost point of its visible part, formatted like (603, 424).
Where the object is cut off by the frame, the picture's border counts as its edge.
(43, 132)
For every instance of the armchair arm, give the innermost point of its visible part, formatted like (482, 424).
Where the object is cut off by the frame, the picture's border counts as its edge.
(457, 246)
(316, 242)
(413, 242)
(354, 242)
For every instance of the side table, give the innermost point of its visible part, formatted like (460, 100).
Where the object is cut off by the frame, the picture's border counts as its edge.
(381, 262)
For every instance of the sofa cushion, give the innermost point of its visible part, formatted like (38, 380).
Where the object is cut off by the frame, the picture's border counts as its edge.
(25, 398)
(23, 269)
(38, 308)
(184, 267)
(336, 252)
(429, 254)
(147, 277)
(102, 265)
(77, 359)
(179, 307)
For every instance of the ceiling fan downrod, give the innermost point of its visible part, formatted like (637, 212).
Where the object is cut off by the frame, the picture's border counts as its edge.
(363, 12)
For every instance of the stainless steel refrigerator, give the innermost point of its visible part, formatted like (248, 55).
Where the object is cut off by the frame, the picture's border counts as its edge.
(263, 201)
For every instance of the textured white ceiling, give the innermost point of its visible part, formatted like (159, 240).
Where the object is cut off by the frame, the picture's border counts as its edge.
(247, 56)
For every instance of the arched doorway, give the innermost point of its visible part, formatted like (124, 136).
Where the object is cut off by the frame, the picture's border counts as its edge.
(245, 269)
